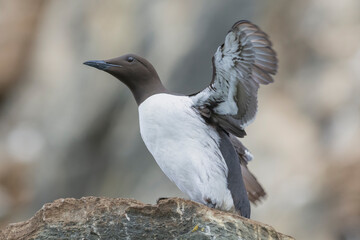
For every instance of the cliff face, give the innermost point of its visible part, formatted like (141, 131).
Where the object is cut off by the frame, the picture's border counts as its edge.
(109, 218)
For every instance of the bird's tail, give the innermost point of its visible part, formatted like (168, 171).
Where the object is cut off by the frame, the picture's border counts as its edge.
(255, 191)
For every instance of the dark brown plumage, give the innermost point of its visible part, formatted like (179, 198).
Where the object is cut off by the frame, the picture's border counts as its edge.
(254, 189)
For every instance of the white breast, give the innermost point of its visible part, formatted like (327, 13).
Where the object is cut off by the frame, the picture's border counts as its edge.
(185, 148)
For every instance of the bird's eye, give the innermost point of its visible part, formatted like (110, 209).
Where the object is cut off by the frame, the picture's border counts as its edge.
(130, 59)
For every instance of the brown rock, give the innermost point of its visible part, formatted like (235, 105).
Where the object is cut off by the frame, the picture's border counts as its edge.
(18, 24)
(109, 218)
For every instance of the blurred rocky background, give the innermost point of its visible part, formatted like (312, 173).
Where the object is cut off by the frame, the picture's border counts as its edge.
(67, 130)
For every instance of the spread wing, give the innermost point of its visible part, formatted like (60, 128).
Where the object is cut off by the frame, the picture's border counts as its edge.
(240, 65)
(253, 187)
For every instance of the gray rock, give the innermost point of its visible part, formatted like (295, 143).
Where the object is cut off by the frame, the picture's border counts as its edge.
(93, 218)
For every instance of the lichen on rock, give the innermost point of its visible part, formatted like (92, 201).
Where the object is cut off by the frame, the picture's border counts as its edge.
(117, 218)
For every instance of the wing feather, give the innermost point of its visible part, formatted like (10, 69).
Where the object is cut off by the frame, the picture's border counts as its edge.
(241, 64)
(254, 189)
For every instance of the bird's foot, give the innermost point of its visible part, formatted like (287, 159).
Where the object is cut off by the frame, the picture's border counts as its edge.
(210, 203)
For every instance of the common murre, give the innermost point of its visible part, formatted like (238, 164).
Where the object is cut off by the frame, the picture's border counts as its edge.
(194, 138)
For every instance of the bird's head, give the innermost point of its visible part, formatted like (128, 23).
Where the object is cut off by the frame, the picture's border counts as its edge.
(134, 71)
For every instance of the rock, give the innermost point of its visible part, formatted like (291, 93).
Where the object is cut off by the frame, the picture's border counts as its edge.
(117, 218)
(19, 20)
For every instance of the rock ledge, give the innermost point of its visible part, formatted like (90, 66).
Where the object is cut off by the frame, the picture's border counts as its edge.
(93, 218)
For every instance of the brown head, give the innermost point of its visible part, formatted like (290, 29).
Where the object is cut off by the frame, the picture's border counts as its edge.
(135, 72)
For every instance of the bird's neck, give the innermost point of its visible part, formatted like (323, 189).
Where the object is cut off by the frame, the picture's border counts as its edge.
(145, 89)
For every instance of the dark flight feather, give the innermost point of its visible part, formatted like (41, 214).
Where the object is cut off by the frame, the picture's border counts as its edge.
(240, 65)
(255, 191)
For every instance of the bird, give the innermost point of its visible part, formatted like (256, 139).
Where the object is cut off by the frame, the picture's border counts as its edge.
(195, 138)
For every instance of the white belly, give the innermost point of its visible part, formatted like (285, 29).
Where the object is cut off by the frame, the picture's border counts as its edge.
(185, 148)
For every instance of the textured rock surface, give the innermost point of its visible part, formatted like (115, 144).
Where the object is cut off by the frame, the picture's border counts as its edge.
(117, 218)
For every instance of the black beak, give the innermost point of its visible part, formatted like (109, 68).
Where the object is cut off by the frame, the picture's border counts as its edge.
(102, 65)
